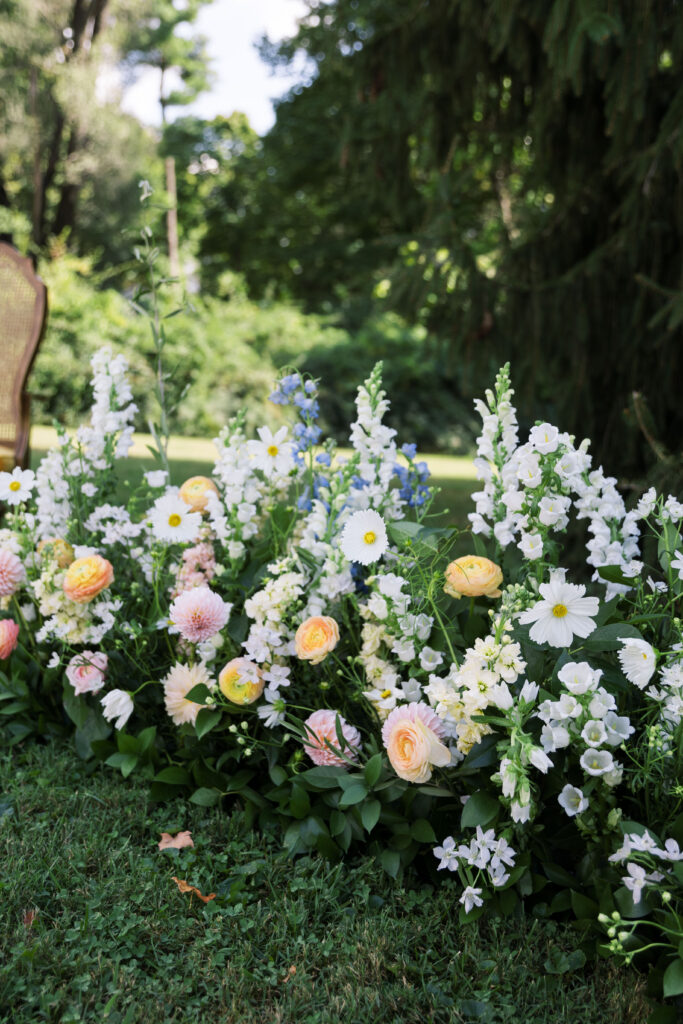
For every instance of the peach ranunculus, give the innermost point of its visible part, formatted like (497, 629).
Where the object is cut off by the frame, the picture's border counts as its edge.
(9, 633)
(195, 492)
(58, 549)
(86, 577)
(473, 576)
(241, 681)
(315, 638)
(412, 735)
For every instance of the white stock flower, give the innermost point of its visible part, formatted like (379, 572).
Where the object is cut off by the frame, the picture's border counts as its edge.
(638, 661)
(364, 537)
(562, 614)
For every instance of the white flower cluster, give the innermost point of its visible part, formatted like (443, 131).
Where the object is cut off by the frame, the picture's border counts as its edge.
(468, 690)
(114, 524)
(484, 852)
(66, 620)
(113, 410)
(376, 448)
(252, 476)
(647, 848)
(529, 490)
(585, 717)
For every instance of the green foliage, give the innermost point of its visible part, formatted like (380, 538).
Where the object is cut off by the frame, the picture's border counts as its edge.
(94, 928)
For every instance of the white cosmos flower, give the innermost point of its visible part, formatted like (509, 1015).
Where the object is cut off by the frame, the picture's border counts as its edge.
(572, 801)
(16, 486)
(364, 537)
(638, 661)
(272, 453)
(173, 520)
(562, 614)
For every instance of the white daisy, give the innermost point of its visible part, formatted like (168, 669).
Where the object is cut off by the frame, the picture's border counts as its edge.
(638, 661)
(364, 537)
(173, 520)
(562, 614)
(272, 454)
(16, 486)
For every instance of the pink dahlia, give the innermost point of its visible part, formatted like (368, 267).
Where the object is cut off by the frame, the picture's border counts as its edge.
(11, 573)
(199, 614)
(9, 633)
(322, 730)
(86, 671)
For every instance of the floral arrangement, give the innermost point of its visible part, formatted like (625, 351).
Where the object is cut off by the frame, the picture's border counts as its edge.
(298, 633)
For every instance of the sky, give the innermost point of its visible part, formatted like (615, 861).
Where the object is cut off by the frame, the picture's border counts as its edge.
(243, 81)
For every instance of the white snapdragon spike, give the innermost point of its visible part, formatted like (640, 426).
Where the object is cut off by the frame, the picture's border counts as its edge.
(562, 614)
(377, 453)
(638, 661)
(113, 410)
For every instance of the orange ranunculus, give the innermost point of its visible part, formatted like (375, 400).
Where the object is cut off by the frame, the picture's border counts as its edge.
(473, 576)
(195, 492)
(86, 577)
(412, 736)
(241, 681)
(59, 549)
(315, 638)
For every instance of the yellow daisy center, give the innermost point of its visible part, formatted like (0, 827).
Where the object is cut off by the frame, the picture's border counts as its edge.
(272, 450)
(559, 611)
(15, 486)
(174, 519)
(369, 537)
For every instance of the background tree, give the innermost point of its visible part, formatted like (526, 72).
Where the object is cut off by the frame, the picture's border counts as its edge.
(510, 175)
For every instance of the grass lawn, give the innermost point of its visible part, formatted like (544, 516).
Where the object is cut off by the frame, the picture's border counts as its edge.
(454, 475)
(94, 929)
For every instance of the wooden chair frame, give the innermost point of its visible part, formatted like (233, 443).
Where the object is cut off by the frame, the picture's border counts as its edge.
(20, 399)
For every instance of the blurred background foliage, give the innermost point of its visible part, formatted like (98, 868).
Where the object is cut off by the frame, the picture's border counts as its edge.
(450, 185)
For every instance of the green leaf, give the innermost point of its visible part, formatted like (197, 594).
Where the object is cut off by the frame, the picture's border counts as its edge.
(584, 907)
(369, 814)
(373, 770)
(198, 694)
(564, 963)
(146, 738)
(205, 797)
(126, 762)
(480, 809)
(672, 982)
(299, 802)
(173, 775)
(353, 795)
(390, 861)
(337, 823)
(277, 773)
(422, 831)
(607, 638)
(614, 574)
(206, 720)
(76, 707)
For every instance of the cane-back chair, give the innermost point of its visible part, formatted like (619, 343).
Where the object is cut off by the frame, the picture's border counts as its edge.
(23, 309)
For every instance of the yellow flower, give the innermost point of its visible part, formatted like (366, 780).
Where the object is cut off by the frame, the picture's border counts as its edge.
(195, 492)
(86, 577)
(473, 576)
(58, 549)
(241, 681)
(315, 638)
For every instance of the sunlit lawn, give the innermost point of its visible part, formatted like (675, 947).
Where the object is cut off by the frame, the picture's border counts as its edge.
(454, 475)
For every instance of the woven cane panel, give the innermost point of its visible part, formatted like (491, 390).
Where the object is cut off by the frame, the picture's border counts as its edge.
(17, 312)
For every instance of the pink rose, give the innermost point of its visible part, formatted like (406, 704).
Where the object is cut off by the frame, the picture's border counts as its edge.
(86, 671)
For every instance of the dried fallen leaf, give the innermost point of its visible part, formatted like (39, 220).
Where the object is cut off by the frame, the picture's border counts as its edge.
(29, 917)
(186, 887)
(179, 842)
(290, 974)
